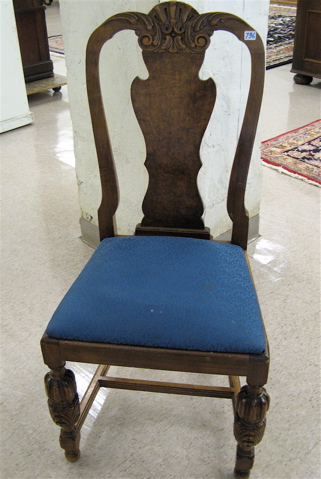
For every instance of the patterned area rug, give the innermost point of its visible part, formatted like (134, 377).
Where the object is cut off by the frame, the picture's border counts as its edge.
(56, 44)
(280, 37)
(296, 153)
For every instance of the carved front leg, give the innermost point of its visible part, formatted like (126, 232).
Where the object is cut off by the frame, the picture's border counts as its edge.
(251, 407)
(64, 409)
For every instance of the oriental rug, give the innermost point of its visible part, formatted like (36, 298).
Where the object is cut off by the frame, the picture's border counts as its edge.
(280, 38)
(296, 153)
(56, 44)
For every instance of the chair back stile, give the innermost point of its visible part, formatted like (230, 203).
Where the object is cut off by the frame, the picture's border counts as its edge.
(173, 107)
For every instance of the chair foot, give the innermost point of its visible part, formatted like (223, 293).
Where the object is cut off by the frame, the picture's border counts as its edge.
(64, 408)
(244, 463)
(69, 441)
(251, 407)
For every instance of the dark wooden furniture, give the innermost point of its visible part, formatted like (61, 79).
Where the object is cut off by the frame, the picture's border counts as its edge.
(33, 39)
(173, 107)
(307, 42)
(284, 2)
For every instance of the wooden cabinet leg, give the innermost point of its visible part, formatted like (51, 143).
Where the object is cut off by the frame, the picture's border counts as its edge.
(302, 79)
(251, 407)
(64, 408)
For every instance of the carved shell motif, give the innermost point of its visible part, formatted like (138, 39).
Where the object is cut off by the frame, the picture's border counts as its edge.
(173, 27)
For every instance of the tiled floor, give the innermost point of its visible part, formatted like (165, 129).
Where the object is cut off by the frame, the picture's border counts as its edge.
(141, 435)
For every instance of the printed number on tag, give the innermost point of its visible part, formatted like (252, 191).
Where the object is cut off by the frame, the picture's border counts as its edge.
(251, 35)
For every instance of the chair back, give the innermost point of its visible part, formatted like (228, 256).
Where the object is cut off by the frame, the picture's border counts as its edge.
(173, 107)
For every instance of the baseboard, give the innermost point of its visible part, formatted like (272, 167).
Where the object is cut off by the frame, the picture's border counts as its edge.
(254, 224)
(90, 232)
(17, 122)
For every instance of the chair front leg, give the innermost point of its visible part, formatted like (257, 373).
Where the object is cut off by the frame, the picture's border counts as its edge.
(251, 407)
(64, 408)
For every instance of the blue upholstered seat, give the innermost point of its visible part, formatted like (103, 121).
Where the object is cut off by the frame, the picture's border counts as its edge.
(169, 292)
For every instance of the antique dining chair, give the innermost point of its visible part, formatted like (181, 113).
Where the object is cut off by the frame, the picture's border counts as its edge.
(169, 297)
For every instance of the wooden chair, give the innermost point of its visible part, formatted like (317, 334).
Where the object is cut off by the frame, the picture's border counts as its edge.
(169, 297)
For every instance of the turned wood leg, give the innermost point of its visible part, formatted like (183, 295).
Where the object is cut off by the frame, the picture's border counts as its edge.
(64, 409)
(251, 407)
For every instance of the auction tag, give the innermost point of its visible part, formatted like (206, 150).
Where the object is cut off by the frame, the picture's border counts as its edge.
(250, 35)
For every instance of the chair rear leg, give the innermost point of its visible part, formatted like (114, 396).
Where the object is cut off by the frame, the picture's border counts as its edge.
(251, 407)
(64, 408)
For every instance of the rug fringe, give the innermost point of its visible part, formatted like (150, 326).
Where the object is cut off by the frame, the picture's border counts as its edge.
(287, 172)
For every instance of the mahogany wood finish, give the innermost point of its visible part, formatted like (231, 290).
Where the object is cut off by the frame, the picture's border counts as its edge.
(284, 2)
(173, 107)
(251, 407)
(63, 403)
(33, 39)
(307, 42)
(172, 199)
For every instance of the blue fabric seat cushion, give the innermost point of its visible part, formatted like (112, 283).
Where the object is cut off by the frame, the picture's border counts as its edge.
(166, 292)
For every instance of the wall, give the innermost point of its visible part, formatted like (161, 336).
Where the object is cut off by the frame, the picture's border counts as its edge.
(227, 61)
(14, 111)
